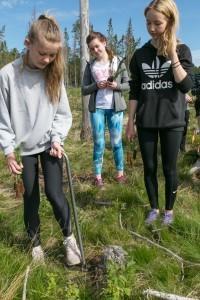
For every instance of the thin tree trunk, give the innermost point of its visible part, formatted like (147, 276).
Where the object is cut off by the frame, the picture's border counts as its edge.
(84, 22)
(75, 77)
(66, 72)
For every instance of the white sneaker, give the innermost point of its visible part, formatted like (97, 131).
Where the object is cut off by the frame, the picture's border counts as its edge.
(38, 254)
(195, 167)
(73, 255)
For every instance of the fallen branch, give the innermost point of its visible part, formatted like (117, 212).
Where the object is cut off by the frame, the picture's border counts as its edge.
(165, 296)
(174, 255)
(25, 283)
(157, 245)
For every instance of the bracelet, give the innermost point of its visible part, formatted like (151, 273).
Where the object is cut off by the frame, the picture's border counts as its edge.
(178, 61)
(173, 67)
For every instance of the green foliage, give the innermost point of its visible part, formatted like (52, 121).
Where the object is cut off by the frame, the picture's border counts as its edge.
(72, 291)
(119, 281)
(7, 56)
(51, 285)
(196, 70)
(99, 211)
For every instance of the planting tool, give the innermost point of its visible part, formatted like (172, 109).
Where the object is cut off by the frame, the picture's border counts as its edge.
(74, 208)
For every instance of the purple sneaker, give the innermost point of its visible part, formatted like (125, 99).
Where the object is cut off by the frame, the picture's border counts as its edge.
(168, 218)
(152, 217)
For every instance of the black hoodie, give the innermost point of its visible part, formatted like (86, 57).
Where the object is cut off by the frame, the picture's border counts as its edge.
(161, 101)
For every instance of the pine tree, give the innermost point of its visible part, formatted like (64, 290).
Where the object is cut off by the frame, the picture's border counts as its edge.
(2, 32)
(130, 43)
(111, 37)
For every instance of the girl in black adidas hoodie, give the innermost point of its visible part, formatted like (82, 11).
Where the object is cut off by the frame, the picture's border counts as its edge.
(160, 73)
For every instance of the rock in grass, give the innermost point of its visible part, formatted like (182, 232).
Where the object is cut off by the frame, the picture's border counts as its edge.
(114, 254)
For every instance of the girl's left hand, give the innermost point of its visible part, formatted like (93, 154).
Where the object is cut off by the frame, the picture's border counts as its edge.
(111, 85)
(56, 150)
(188, 99)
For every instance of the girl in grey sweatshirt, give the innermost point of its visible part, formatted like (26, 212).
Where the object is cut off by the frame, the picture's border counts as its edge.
(35, 117)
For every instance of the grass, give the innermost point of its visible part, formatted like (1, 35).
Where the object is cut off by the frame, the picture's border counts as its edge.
(99, 211)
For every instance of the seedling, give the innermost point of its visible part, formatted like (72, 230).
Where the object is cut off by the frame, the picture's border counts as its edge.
(114, 75)
(18, 182)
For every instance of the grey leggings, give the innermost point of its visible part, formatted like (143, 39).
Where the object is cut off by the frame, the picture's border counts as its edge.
(53, 174)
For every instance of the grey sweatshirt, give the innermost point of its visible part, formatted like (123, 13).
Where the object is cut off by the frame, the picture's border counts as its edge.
(89, 87)
(27, 117)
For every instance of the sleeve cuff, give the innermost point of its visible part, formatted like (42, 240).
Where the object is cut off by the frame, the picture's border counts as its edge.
(185, 85)
(9, 150)
(55, 139)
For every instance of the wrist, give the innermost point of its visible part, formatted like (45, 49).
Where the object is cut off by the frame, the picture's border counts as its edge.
(10, 155)
(55, 144)
(131, 120)
(175, 63)
(55, 139)
(174, 58)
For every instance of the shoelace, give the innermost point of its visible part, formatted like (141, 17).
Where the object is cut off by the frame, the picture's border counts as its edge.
(73, 246)
(152, 214)
(168, 216)
(70, 243)
(38, 253)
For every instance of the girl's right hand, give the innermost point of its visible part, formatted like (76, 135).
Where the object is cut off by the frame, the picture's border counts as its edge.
(56, 150)
(131, 131)
(13, 165)
(102, 84)
(172, 53)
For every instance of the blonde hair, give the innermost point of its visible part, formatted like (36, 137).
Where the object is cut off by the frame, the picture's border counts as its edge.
(46, 27)
(169, 9)
(98, 35)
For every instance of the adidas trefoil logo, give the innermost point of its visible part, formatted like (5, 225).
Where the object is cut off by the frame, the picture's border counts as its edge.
(156, 70)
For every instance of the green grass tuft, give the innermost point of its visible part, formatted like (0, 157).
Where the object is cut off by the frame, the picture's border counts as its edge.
(102, 214)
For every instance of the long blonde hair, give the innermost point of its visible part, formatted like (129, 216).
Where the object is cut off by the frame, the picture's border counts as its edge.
(169, 9)
(46, 27)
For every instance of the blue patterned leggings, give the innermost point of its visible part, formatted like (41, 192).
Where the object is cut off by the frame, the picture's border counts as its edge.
(114, 121)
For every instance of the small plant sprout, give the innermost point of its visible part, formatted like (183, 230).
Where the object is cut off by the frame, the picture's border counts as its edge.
(18, 183)
(114, 74)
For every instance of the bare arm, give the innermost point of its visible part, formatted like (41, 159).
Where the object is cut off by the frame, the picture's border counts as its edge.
(130, 127)
(177, 69)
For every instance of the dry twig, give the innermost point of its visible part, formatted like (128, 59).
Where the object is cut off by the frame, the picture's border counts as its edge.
(25, 283)
(170, 252)
(165, 296)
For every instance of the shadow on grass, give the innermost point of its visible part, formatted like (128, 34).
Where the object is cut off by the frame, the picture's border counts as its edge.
(11, 239)
(189, 158)
(93, 199)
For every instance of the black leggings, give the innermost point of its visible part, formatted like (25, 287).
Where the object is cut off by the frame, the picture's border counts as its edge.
(53, 174)
(170, 144)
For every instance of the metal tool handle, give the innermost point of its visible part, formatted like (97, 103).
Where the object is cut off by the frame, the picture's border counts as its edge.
(74, 208)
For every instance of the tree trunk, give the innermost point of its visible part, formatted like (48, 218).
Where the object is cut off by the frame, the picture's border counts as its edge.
(75, 77)
(84, 22)
(66, 71)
